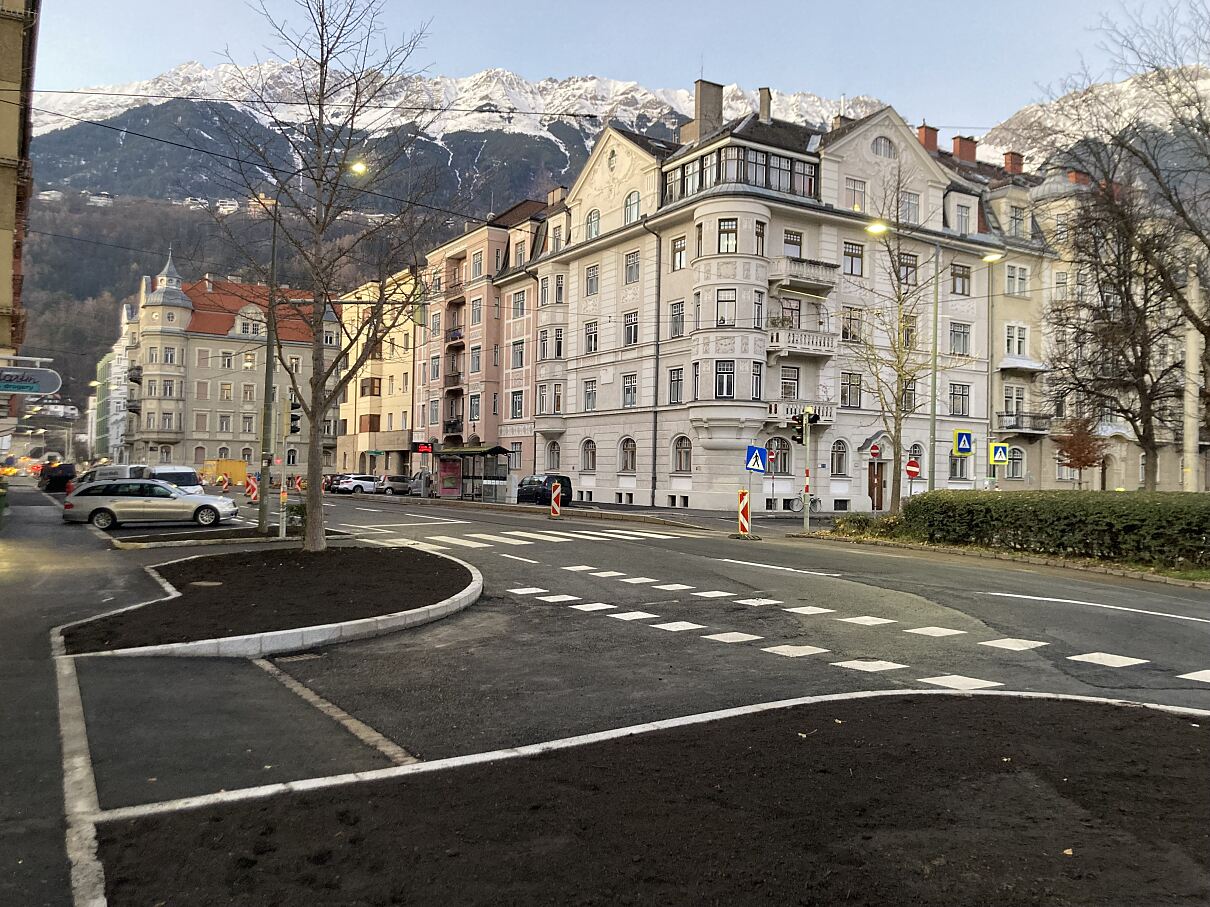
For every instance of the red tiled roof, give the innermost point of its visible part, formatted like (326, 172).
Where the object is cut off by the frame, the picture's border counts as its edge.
(216, 304)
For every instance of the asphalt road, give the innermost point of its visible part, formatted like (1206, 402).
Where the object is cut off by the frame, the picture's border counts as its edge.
(585, 625)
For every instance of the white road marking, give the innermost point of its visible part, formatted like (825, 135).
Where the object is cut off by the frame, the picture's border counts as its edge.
(450, 540)
(757, 602)
(513, 557)
(1014, 645)
(728, 560)
(500, 539)
(795, 651)
(1072, 601)
(608, 574)
(1200, 676)
(632, 615)
(673, 587)
(430, 522)
(651, 535)
(357, 527)
(714, 593)
(540, 536)
(527, 590)
(635, 580)
(558, 598)
(579, 568)
(1107, 660)
(935, 631)
(958, 682)
(408, 543)
(594, 606)
(369, 510)
(866, 621)
(621, 534)
(581, 534)
(809, 609)
(678, 625)
(868, 664)
(732, 637)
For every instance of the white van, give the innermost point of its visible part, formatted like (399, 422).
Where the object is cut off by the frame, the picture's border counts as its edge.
(183, 477)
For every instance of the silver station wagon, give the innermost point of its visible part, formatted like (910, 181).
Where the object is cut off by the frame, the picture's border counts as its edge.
(107, 504)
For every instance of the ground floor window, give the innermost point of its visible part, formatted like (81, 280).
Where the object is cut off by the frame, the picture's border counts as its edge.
(840, 458)
(959, 467)
(1016, 464)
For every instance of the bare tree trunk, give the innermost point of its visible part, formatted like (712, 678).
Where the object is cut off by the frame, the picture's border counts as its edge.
(897, 466)
(314, 538)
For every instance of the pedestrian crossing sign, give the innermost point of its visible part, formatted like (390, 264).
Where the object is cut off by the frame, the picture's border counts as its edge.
(964, 443)
(997, 453)
(756, 460)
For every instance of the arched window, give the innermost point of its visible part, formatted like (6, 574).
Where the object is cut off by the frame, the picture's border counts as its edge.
(840, 458)
(779, 456)
(553, 455)
(916, 452)
(224, 453)
(630, 213)
(628, 455)
(165, 454)
(246, 454)
(884, 147)
(199, 454)
(682, 455)
(1016, 464)
(588, 456)
(592, 224)
(291, 456)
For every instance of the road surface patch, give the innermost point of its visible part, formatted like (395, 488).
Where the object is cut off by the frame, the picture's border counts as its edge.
(866, 621)
(809, 609)
(757, 602)
(958, 682)
(632, 615)
(679, 625)
(1107, 660)
(559, 598)
(1014, 645)
(528, 590)
(732, 637)
(868, 664)
(935, 631)
(790, 651)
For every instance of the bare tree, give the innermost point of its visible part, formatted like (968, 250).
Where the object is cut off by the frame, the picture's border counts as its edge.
(1116, 329)
(1079, 447)
(339, 100)
(888, 335)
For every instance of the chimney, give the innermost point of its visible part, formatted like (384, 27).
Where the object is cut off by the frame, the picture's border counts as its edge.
(707, 111)
(1014, 162)
(766, 105)
(928, 137)
(1079, 178)
(208, 283)
(964, 148)
(556, 195)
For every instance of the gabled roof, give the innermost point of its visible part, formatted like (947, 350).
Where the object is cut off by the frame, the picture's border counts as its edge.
(518, 213)
(982, 173)
(657, 148)
(780, 134)
(835, 135)
(215, 310)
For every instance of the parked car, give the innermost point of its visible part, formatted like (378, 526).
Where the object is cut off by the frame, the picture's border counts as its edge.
(331, 481)
(418, 482)
(537, 489)
(394, 485)
(108, 504)
(357, 484)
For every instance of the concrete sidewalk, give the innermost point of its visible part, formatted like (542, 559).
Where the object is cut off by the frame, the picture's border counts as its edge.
(49, 573)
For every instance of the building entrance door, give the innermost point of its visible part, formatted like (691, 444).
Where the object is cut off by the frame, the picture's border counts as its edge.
(877, 484)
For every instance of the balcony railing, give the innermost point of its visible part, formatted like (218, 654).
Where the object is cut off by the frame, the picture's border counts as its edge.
(454, 289)
(811, 343)
(455, 334)
(1025, 423)
(452, 380)
(803, 271)
(785, 410)
(452, 426)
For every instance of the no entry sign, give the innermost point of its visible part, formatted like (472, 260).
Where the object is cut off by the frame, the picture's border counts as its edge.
(912, 468)
(875, 451)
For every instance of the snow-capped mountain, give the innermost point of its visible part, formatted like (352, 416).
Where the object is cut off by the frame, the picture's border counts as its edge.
(494, 99)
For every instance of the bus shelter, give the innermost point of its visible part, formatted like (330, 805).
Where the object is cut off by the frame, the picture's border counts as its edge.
(478, 473)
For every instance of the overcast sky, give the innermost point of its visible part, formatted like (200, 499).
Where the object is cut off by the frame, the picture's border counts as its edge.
(960, 65)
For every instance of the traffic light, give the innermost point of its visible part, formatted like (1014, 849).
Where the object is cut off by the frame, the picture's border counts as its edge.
(812, 416)
(295, 418)
(797, 422)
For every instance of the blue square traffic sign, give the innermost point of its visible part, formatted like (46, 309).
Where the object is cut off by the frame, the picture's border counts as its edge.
(756, 459)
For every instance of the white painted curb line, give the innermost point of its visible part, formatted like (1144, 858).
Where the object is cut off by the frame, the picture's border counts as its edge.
(310, 784)
(275, 642)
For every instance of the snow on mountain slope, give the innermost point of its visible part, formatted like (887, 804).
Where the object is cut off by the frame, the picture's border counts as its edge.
(479, 102)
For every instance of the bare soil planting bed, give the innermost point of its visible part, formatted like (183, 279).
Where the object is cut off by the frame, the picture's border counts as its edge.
(931, 800)
(262, 590)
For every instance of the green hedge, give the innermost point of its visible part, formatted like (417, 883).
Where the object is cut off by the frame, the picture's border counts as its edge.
(1165, 529)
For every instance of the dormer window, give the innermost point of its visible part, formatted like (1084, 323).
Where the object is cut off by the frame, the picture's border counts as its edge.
(884, 147)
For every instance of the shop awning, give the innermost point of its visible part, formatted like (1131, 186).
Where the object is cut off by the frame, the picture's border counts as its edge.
(481, 450)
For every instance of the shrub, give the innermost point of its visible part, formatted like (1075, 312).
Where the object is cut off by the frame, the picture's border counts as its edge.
(853, 524)
(1167, 529)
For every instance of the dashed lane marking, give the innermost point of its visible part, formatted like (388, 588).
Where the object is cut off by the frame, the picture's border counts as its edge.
(870, 665)
(499, 539)
(958, 682)
(369, 509)
(637, 580)
(594, 606)
(608, 574)
(1107, 660)
(678, 626)
(935, 631)
(1200, 676)
(729, 560)
(673, 587)
(866, 620)
(579, 568)
(714, 593)
(809, 609)
(1072, 601)
(732, 637)
(527, 590)
(757, 602)
(451, 540)
(1014, 645)
(514, 557)
(408, 543)
(558, 598)
(632, 615)
(795, 651)
(540, 536)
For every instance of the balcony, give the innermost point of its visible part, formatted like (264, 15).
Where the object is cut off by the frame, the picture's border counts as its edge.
(1023, 364)
(803, 273)
(783, 411)
(1023, 423)
(454, 290)
(549, 426)
(452, 381)
(452, 426)
(788, 341)
(455, 336)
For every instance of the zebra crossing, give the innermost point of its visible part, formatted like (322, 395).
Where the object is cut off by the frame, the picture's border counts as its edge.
(513, 538)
